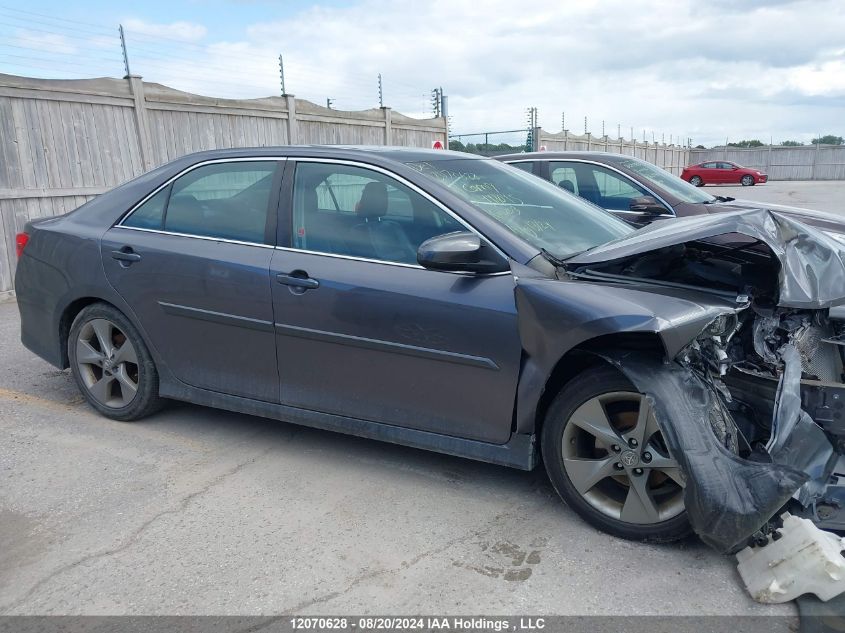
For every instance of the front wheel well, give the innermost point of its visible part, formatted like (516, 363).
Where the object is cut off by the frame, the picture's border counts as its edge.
(588, 355)
(66, 320)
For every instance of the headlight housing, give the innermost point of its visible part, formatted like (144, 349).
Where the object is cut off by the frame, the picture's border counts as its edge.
(720, 326)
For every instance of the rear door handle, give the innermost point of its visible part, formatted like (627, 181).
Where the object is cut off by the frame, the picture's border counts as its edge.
(126, 254)
(298, 279)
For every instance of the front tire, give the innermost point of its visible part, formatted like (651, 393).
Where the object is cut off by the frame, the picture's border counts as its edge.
(747, 181)
(607, 459)
(696, 181)
(111, 364)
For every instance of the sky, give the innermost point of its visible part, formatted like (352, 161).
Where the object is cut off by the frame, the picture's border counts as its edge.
(706, 70)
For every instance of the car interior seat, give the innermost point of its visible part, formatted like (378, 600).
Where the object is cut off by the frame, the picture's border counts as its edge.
(376, 237)
(568, 185)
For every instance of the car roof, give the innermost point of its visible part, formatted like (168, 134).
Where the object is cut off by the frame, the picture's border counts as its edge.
(396, 154)
(603, 157)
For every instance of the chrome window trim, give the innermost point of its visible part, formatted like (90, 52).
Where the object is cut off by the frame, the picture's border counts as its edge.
(407, 183)
(290, 249)
(212, 161)
(207, 238)
(668, 206)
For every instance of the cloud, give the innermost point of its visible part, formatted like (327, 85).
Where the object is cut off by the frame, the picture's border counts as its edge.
(44, 42)
(186, 31)
(685, 68)
(647, 64)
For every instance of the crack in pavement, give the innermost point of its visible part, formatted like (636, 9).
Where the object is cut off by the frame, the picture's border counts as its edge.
(405, 564)
(181, 506)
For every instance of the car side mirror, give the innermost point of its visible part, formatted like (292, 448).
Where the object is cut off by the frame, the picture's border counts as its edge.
(461, 251)
(646, 204)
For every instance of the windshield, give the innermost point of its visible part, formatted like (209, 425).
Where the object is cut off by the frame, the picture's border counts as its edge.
(543, 215)
(681, 189)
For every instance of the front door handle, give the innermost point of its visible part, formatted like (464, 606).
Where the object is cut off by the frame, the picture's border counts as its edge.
(298, 279)
(126, 256)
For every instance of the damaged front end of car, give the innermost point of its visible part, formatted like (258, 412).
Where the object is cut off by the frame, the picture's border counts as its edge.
(761, 426)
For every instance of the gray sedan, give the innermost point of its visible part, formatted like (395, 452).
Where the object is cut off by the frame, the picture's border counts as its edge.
(452, 303)
(640, 192)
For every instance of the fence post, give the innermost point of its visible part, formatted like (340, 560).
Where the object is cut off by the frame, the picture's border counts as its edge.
(769, 160)
(565, 140)
(388, 126)
(589, 142)
(815, 159)
(292, 134)
(142, 126)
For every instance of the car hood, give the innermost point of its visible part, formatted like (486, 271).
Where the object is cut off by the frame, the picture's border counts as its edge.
(820, 219)
(812, 271)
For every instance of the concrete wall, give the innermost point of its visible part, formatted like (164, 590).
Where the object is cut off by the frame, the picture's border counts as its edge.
(812, 162)
(65, 141)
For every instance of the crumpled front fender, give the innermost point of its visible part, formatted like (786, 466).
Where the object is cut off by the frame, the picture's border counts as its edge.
(556, 316)
(727, 498)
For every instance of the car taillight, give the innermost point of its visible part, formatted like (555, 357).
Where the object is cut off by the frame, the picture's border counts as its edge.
(21, 240)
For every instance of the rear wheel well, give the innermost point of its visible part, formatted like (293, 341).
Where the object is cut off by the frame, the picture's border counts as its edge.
(70, 313)
(588, 355)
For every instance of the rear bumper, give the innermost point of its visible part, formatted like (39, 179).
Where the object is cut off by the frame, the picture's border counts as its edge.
(37, 307)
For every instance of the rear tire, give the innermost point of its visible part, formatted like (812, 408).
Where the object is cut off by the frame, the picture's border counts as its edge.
(696, 181)
(111, 364)
(747, 181)
(593, 464)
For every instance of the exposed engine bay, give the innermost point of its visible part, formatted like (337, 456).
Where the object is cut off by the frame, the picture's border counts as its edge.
(770, 377)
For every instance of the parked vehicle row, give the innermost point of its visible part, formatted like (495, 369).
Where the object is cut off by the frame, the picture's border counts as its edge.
(454, 303)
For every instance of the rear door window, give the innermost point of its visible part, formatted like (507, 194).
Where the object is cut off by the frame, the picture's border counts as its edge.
(563, 175)
(228, 201)
(150, 215)
(223, 200)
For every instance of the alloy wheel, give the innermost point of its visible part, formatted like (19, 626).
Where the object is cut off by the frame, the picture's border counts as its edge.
(107, 363)
(747, 181)
(695, 181)
(616, 458)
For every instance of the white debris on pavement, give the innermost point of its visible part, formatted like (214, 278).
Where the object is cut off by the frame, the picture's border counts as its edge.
(803, 560)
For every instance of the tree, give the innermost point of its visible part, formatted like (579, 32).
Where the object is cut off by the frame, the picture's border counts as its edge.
(486, 149)
(700, 147)
(792, 143)
(829, 139)
(751, 143)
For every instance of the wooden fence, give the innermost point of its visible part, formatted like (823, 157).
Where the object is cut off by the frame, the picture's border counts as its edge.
(65, 141)
(811, 162)
(672, 158)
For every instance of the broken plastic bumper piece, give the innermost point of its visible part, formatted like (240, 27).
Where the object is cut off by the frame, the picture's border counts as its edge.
(798, 558)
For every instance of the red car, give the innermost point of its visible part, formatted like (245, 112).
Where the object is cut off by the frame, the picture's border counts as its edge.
(722, 173)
